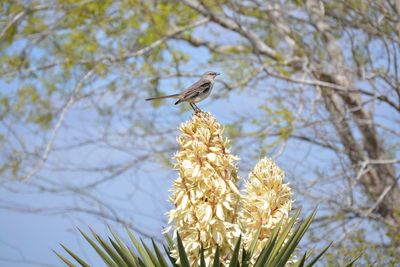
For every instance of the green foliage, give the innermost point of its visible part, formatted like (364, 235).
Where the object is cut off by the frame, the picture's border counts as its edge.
(37, 49)
(278, 252)
(356, 242)
(48, 46)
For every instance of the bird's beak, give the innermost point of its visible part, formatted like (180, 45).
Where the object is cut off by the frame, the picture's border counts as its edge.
(218, 73)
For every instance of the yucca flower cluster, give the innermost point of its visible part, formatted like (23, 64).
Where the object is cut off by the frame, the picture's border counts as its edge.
(205, 195)
(265, 202)
(209, 209)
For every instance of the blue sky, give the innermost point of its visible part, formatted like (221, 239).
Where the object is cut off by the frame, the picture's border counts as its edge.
(139, 195)
(32, 235)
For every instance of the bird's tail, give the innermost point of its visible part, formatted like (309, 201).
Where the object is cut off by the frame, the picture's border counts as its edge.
(161, 97)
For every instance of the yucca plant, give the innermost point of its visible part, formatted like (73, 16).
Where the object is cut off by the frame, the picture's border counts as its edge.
(279, 251)
(215, 223)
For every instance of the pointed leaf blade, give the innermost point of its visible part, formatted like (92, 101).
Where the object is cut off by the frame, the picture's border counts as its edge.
(235, 256)
(98, 250)
(182, 253)
(202, 260)
(216, 258)
(73, 255)
(162, 262)
(145, 258)
(65, 260)
(313, 261)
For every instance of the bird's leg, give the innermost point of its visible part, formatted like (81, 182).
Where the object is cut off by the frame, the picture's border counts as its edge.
(197, 108)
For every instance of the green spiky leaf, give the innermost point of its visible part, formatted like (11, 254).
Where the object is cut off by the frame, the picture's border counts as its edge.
(182, 254)
(161, 260)
(235, 256)
(216, 262)
(144, 256)
(202, 260)
(73, 255)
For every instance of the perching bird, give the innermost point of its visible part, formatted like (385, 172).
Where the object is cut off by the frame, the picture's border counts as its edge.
(199, 91)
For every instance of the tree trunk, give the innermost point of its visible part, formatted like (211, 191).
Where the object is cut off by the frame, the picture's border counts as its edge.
(369, 160)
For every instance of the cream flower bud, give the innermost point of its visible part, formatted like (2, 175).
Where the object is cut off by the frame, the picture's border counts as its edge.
(266, 201)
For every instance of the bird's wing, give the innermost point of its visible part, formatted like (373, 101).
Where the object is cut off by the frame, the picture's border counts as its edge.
(197, 88)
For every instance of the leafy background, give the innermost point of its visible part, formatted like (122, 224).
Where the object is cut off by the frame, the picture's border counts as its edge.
(80, 146)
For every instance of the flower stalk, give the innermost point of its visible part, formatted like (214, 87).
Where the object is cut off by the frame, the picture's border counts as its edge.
(209, 210)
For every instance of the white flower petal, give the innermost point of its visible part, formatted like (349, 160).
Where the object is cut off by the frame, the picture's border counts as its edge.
(220, 212)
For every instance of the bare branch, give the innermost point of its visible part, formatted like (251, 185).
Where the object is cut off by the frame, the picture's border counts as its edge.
(58, 124)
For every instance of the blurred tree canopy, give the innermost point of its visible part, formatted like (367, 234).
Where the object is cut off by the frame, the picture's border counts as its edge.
(325, 73)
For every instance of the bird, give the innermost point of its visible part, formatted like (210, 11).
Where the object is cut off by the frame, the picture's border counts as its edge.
(197, 92)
